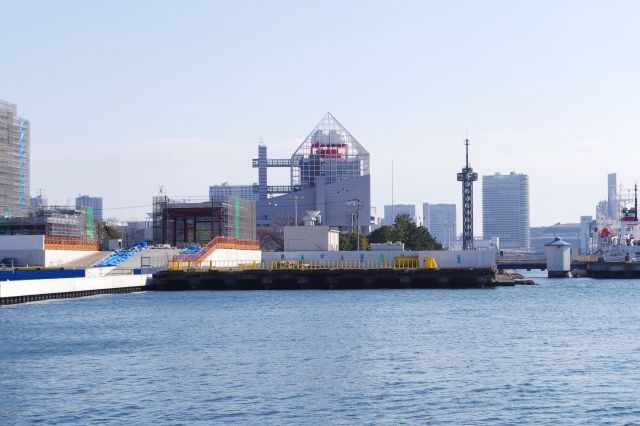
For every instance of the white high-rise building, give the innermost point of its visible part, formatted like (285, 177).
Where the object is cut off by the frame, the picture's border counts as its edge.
(440, 220)
(505, 209)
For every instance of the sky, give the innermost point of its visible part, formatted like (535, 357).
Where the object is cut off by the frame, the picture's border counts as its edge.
(125, 97)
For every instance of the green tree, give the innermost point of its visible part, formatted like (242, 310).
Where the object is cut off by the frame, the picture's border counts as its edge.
(405, 230)
(106, 231)
(349, 242)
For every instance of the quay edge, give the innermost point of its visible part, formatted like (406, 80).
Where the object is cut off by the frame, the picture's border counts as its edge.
(303, 279)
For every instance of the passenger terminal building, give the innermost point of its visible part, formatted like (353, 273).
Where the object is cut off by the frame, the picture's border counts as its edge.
(329, 173)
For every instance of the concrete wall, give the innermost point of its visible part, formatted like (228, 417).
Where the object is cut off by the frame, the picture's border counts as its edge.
(66, 285)
(231, 257)
(444, 259)
(25, 257)
(21, 242)
(29, 250)
(60, 257)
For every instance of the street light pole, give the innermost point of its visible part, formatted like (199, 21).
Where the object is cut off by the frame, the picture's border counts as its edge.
(295, 199)
(356, 204)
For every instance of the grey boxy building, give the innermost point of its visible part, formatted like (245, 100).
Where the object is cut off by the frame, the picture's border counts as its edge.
(440, 220)
(94, 202)
(15, 141)
(329, 172)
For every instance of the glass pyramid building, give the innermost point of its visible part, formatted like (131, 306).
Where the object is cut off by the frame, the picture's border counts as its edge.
(330, 153)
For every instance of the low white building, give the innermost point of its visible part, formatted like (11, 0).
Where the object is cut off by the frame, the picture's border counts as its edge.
(311, 238)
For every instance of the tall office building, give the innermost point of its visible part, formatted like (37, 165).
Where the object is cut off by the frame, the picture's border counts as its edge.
(15, 138)
(94, 202)
(393, 211)
(505, 209)
(440, 220)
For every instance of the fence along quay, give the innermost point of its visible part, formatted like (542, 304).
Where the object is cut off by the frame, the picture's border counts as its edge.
(397, 273)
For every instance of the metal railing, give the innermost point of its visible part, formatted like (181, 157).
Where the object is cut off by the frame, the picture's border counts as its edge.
(313, 265)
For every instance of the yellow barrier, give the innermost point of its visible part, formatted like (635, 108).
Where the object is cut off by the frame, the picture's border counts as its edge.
(406, 262)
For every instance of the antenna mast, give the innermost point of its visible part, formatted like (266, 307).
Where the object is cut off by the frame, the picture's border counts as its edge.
(467, 177)
(635, 198)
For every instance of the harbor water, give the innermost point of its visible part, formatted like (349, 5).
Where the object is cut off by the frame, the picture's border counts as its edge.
(564, 351)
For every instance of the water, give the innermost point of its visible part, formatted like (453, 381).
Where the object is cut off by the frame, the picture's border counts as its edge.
(566, 351)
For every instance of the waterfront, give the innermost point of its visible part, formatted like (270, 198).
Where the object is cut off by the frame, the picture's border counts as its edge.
(564, 351)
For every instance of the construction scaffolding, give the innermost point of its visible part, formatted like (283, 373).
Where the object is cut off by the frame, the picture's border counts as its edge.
(51, 221)
(15, 136)
(184, 223)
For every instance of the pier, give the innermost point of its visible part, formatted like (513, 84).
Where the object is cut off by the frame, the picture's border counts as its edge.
(317, 278)
(22, 291)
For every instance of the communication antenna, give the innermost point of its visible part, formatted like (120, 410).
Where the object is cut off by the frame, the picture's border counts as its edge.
(467, 177)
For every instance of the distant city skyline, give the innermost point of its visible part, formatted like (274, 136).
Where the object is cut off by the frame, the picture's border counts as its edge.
(535, 86)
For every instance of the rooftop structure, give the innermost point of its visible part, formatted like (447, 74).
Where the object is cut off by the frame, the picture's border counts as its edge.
(15, 140)
(329, 154)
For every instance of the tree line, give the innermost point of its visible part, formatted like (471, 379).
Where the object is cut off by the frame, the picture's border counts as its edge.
(404, 230)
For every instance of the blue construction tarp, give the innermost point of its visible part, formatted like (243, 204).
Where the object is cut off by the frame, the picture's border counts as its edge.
(119, 256)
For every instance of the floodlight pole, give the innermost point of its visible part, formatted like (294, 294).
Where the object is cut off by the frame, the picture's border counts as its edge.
(356, 204)
(295, 199)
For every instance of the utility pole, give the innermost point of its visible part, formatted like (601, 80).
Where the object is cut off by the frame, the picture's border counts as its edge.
(355, 203)
(467, 177)
(295, 199)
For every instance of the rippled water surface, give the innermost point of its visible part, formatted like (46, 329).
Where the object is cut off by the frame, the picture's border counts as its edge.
(565, 351)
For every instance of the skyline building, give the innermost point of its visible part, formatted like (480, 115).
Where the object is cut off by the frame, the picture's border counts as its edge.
(505, 209)
(224, 191)
(612, 196)
(440, 220)
(95, 203)
(391, 211)
(15, 170)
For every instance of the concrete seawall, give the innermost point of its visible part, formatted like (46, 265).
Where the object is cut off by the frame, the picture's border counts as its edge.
(12, 292)
(323, 279)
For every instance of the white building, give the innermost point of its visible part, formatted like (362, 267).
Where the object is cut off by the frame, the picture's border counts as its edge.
(505, 209)
(440, 220)
(393, 211)
(311, 238)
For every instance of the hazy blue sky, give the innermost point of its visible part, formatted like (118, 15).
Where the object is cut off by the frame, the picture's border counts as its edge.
(126, 96)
